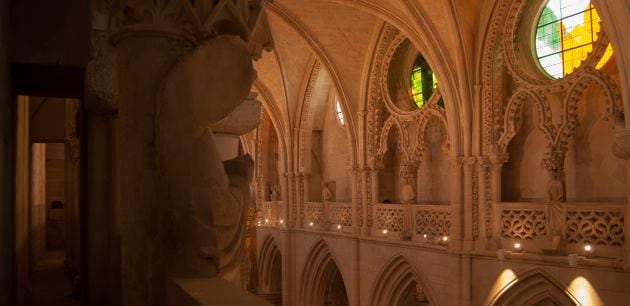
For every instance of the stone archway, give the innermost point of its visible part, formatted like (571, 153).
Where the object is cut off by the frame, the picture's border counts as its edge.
(533, 288)
(322, 282)
(398, 284)
(270, 271)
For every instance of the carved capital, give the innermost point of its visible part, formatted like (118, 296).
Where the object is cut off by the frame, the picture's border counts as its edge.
(483, 162)
(554, 161)
(499, 159)
(195, 21)
(455, 162)
(469, 162)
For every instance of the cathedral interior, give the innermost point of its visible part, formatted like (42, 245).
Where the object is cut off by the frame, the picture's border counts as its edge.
(314, 152)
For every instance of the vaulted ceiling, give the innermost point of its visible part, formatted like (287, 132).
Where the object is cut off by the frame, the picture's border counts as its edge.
(341, 35)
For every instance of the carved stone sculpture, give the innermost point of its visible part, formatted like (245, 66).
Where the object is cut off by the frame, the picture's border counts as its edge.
(408, 195)
(206, 199)
(555, 191)
(327, 195)
(275, 192)
(554, 198)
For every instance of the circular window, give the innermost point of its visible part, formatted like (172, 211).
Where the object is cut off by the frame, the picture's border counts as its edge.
(564, 36)
(423, 82)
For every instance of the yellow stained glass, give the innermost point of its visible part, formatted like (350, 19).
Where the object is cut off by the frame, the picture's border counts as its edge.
(605, 58)
(565, 35)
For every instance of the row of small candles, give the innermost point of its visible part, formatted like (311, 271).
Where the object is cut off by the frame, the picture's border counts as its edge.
(588, 248)
(517, 246)
(573, 258)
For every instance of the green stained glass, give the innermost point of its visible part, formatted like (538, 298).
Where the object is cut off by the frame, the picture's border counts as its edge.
(548, 30)
(423, 82)
(564, 35)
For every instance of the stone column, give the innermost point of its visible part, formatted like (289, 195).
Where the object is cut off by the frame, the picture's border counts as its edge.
(497, 162)
(299, 197)
(485, 219)
(374, 184)
(365, 188)
(144, 58)
(357, 198)
(37, 202)
(7, 168)
(306, 183)
(469, 163)
(286, 198)
(72, 188)
(457, 211)
(100, 240)
(409, 173)
(21, 177)
(622, 149)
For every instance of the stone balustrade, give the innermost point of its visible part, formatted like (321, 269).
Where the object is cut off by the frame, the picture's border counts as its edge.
(598, 224)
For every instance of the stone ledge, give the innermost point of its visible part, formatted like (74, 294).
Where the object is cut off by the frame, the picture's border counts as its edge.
(214, 291)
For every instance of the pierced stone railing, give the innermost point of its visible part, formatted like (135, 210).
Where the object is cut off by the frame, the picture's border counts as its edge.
(271, 213)
(391, 217)
(418, 222)
(340, 214)
(431, 220)
(313, 214)
(595, 223)
(523, 221)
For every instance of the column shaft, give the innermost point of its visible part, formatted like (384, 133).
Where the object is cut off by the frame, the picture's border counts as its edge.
(143, 62)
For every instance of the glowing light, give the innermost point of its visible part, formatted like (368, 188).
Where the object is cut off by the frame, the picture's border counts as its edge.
(588, 248)
(565, 33)
(517, 246)
(506, 278)
(339, 112)
(310, 224)
(445, 238)
(605, 58)
(384, 231)
(338, 226)
(266, 220)
(424, 236)
(281, 221)
(582, 290)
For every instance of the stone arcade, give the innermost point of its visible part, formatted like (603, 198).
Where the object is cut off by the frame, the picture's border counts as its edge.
(314, 152)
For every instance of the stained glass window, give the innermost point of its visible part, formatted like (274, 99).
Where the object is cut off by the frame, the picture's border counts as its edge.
(339, 113)
(565, 34)
(423, 82)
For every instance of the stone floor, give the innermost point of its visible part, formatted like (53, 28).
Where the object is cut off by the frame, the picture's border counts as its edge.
(48, 285)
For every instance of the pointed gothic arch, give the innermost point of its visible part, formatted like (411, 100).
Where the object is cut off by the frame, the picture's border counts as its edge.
(269, 257)
(270, 271)
(514, 111)
(319, 273)
(394, 281)
(533, 288)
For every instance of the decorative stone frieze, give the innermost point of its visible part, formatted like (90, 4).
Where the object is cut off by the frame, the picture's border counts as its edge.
(194, 21)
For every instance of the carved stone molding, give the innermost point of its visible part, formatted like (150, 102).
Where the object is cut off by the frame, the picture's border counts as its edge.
(506, 52)
(306, 117)
(194, 21)
(515, 55)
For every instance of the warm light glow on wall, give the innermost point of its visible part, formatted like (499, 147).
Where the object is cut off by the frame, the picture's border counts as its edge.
(582, 290)
(506, 278)
(607, 55)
